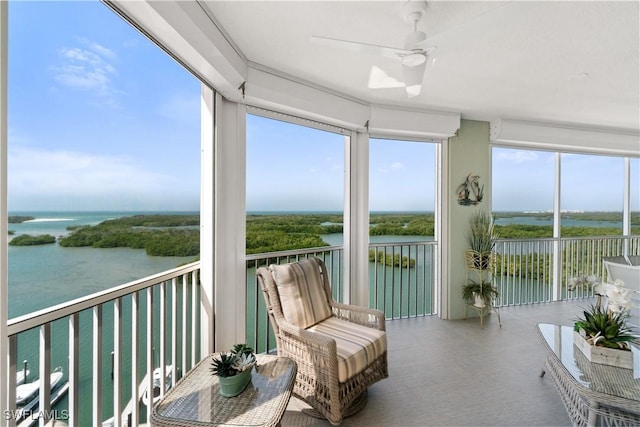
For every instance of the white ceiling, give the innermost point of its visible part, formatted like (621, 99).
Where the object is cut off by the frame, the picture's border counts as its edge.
(556, 62)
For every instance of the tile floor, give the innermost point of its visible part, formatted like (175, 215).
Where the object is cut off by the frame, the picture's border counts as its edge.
(452, 373)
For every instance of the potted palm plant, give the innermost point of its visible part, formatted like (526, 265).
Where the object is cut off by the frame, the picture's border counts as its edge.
(234, 369)
(481, 238)
(479, 259)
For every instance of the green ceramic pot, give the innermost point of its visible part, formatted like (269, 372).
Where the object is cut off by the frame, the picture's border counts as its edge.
(233, 386)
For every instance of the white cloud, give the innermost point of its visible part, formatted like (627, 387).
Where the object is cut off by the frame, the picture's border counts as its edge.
(38, 176)
(395, 166)
(517, 156)
(88, 68)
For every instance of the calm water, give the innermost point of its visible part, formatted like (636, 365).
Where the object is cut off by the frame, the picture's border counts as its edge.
(527, 220)
(42, 276)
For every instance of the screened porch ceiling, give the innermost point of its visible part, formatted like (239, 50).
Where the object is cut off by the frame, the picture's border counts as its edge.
(560, 61)
(560, 74)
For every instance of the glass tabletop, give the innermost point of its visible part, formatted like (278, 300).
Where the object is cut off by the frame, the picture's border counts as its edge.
(196, 398)
(601, 378)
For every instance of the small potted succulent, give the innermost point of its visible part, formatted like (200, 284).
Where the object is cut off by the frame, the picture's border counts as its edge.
(234, 369)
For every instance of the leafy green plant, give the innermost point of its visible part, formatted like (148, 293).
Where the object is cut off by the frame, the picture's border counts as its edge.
(481, 237)
(484, 289)
(606, 329)
(239, 359)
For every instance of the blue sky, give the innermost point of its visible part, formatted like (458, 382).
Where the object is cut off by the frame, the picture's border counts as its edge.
(102, 119)
(99, 118)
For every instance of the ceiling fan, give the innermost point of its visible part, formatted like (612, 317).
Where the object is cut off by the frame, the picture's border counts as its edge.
(413, 56)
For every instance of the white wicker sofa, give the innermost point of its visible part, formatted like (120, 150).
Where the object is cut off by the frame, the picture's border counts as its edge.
(340, 349)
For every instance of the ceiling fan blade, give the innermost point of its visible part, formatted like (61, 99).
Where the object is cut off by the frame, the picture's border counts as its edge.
(379, 79)
(372, 49)
(413, 78)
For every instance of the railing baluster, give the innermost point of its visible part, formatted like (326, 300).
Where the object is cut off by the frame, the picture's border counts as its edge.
(194, 318)
(184, 324)
(45, 370)
(117, 361)
(150, 359)
(74, 369)
(174, 329)
(12, 372)
(135, 312)
(163, 331)
(97, 365)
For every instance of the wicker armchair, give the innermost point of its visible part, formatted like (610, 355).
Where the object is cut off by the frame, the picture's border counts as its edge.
(340, 349)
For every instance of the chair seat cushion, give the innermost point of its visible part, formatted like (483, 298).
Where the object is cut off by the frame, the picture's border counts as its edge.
(357, 346)
(301, 290)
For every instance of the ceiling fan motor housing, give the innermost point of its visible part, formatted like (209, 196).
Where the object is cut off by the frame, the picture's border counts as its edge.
(412, 42)
(414, 10)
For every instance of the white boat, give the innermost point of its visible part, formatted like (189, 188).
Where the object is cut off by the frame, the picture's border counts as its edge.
(157, 373)
(20, 376)
(28, 391)
(27, 412)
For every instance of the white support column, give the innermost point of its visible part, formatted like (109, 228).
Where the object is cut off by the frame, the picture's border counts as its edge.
(626, 206)
(356, 220)
(441, 218)
(229, 232)
(207, 215)
(4, 276)
(557, 247)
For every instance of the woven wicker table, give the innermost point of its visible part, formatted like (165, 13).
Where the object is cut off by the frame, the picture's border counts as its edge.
(196, 400)
(593, 393)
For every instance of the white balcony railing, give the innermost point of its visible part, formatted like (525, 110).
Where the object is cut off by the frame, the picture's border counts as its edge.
(532, 270)
(401, 282)
(155, 319)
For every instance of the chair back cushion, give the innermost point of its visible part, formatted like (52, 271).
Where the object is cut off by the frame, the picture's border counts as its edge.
(301, 290)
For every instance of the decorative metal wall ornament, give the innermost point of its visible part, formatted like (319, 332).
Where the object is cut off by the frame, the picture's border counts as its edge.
(470, 192)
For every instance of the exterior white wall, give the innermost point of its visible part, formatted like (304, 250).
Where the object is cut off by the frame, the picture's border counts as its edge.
(469, 152)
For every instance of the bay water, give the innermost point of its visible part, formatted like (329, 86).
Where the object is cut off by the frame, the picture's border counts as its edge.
(45, 275)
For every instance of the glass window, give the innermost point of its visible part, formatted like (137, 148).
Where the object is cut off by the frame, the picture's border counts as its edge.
(402, 189)
(591, 195)
(295, 186)
(102, 124)
(402, 197)
(635, 196)
(522, 192)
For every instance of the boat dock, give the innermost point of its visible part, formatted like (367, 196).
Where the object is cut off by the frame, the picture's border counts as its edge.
(30, 411)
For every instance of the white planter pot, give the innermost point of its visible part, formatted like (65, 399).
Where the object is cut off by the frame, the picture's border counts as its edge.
(603, 355)
(479, 301)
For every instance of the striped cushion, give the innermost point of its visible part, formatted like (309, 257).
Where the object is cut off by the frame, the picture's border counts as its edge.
(302, 296)
(358, 346)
